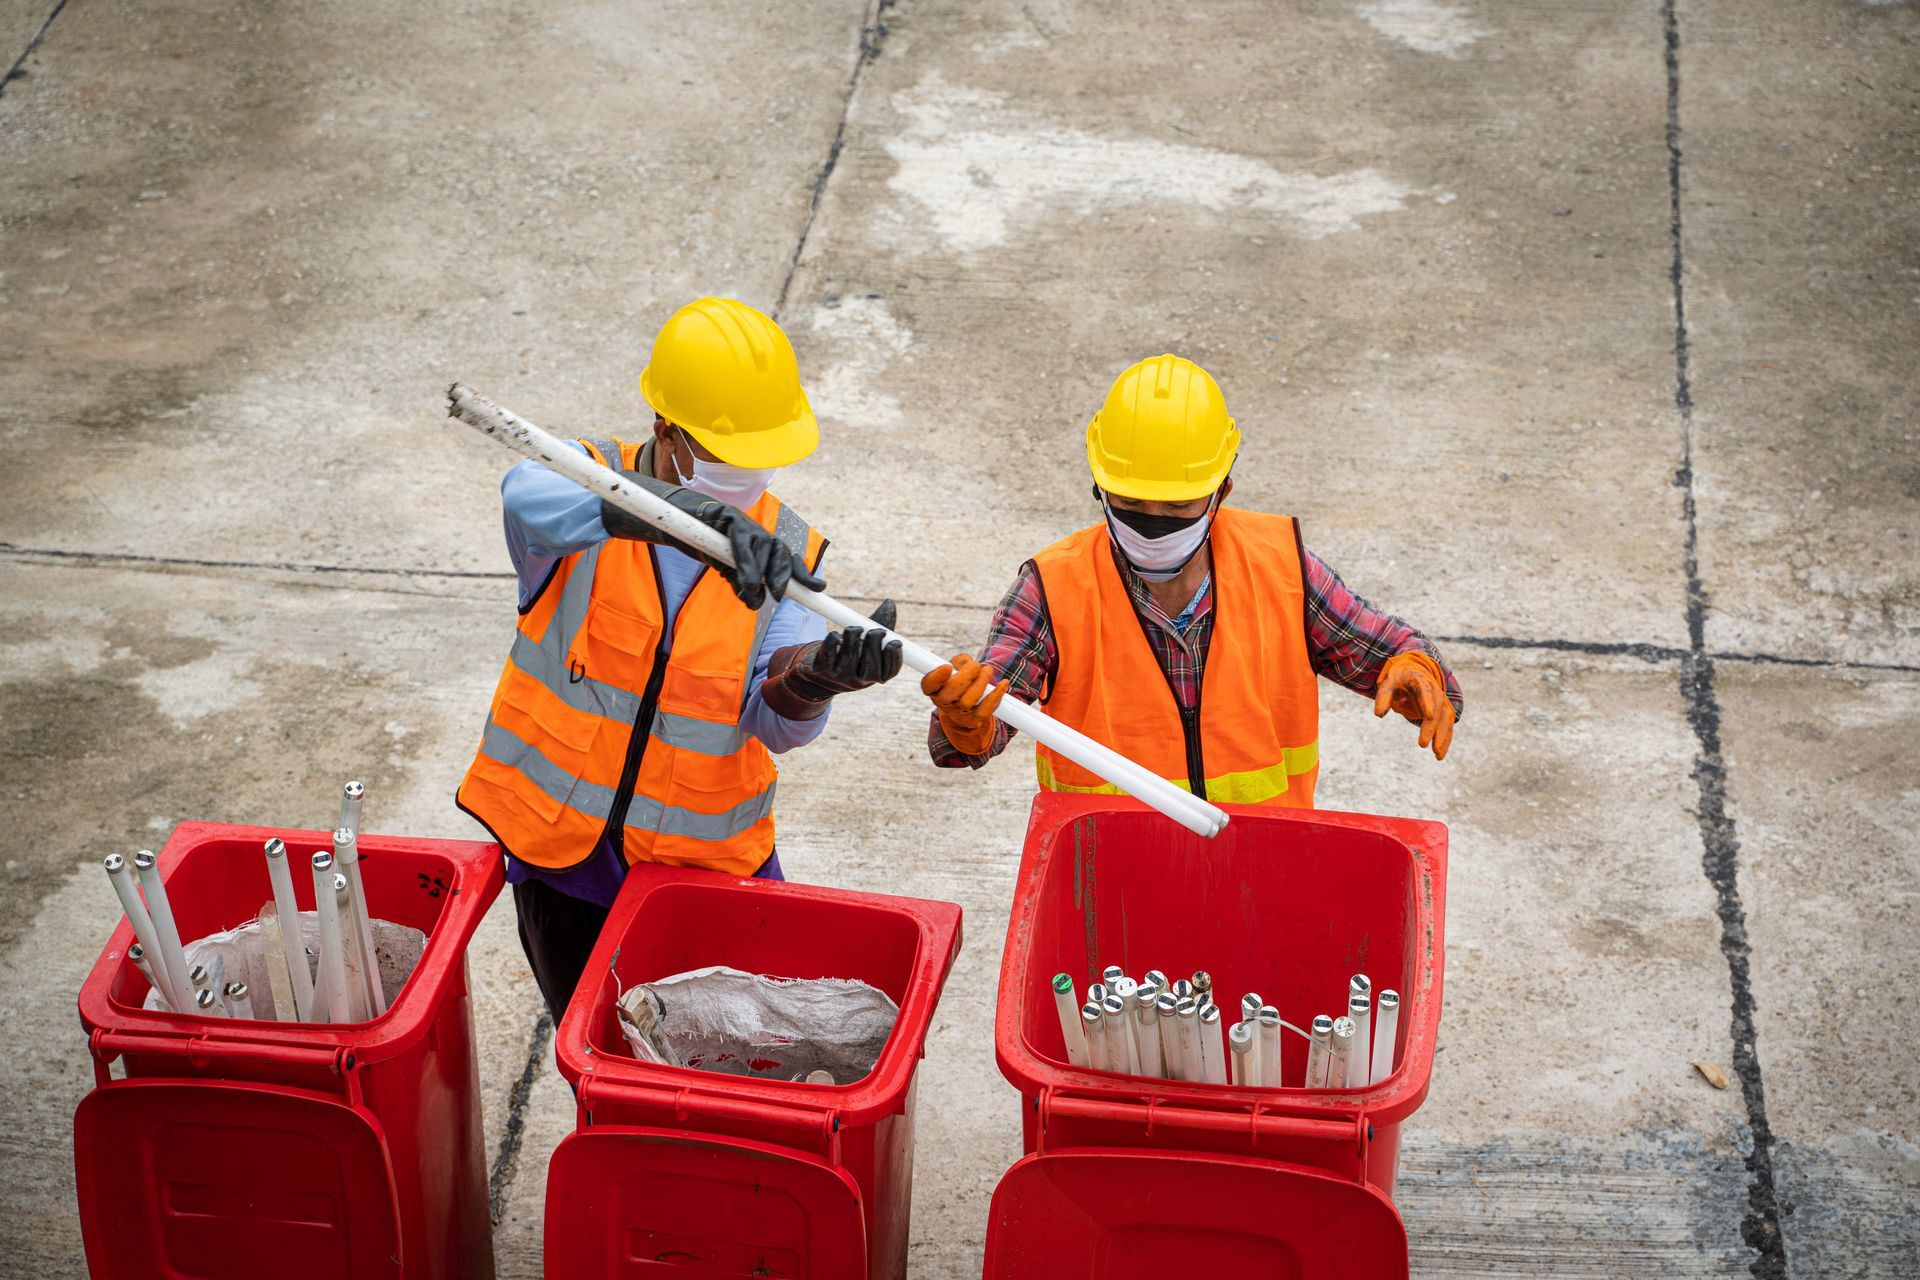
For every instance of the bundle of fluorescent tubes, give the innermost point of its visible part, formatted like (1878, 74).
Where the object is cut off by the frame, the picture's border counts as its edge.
(1175, 1031)
(348, 986)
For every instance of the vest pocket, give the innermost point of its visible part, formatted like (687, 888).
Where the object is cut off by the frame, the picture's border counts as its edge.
(614, 646)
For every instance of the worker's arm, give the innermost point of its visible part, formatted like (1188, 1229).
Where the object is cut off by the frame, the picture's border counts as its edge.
(792, 627)
(1022, 656)
(1353, 644)
(548, 517)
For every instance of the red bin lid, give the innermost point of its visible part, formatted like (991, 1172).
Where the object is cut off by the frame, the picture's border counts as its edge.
(629, 1201)
(211, 1179)
(1108, 1214)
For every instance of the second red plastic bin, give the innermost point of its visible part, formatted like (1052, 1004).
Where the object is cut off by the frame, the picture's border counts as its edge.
(1132, 1177)
(672, 1167)
(314, 1151)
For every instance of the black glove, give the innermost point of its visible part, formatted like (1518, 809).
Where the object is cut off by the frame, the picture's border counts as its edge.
(802, 679)
(762, 564)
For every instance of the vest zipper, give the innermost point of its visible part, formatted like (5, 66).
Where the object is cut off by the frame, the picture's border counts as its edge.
(1189, 718)
(643, 718)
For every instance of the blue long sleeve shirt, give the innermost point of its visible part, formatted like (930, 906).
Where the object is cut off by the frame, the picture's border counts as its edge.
(548, 517)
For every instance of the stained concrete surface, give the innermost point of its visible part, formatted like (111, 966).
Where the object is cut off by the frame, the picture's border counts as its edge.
(1425, 246)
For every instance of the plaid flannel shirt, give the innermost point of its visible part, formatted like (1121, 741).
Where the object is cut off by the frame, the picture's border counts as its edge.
(1348, 642)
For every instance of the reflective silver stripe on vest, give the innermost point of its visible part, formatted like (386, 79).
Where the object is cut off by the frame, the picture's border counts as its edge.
(594, 697)
(595, 801)
(648, 814)
(702, 736)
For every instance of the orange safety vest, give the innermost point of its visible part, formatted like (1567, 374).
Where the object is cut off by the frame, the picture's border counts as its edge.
(605, 722)
(1254, 737)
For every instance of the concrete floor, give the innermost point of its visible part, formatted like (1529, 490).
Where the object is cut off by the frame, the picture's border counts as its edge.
(1431, 248)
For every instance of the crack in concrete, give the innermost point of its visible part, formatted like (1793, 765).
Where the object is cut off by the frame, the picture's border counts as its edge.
(873, 32)
(14, 72)
(507, 1162)
(1720, 841)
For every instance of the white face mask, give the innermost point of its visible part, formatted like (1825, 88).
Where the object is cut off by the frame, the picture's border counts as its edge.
(736, 486)
(1160, 559)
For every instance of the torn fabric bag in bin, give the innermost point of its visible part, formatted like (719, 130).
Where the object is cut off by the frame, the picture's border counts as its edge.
(747, 1024)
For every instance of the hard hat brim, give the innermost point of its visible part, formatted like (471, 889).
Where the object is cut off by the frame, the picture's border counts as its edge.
(1141, 490)
(781, 446)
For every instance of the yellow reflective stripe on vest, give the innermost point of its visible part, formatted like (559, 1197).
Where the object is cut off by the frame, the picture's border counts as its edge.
(1251, 786)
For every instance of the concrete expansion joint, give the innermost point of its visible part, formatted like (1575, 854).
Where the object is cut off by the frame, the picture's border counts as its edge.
(1719, 837)
(506, 1162)
(15, 71)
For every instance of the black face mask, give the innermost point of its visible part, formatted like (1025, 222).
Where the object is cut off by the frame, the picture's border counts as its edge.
(1145, 525)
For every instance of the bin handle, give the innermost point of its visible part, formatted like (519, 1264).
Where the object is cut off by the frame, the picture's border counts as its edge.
(816, 1124)
(1256, 1124)
(203, 1051)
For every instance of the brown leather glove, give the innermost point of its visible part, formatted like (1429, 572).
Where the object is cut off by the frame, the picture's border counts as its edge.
(965, 708)
(1413, 684)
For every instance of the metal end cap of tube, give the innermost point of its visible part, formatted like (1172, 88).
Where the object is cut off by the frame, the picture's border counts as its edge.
(1186, 1007)
(1202, 980)
(1090, 1012)
(1146, 999)
(1343, 1028)
(1322, 1025)
(197, 975)
(339, 884)
(136, 953)
(1268, 1017)
(1112, 973)
(1389, 999)
(114, 862)
(1155, 977)
(1166, 1004)
(1097, 992)
(1062, 983)
(1113, 1006)
(1250, 1004)
(343, 836)
(205, 998)
(1182, 989)
(144, 859)
(276, 848)
(355, 789)
(322, 860)
(1242, 1037)
(1359, 1004)
(236, 990)
(1123, 987)
(1360, 984)
(1210, 1015)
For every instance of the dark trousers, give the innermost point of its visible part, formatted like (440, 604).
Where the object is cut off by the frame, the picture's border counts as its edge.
(558, 933)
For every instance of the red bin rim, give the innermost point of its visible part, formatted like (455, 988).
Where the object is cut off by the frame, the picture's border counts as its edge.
(478, 869)
(879, 1094)
(1393, 1100)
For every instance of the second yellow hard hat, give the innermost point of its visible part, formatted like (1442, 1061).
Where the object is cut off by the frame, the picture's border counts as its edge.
(726, 375)
(1163, 434)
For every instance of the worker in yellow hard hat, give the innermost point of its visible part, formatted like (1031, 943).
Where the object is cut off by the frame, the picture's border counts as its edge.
(648, 687)
(1178, 630)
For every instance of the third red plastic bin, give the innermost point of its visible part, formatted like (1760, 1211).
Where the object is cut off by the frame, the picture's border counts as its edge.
(1127, 1177)
(311, 1151)
(672, 1168)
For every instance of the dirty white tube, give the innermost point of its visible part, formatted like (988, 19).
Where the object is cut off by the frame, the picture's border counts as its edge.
(173, 996)
(239, 1001)
(1240, 1051)
(1092, 1027)
(350, 948)
(1146, 1032)
(291, 947)
(1360, 1009)
(207, 1004)
(1187, 1016)
(138, 954)
(1320, 1052)
(146, 868)
(346, 855)
(1068, 1010)
(1165, 1010)
(1112, 974)
(1121, 1051)
(1341, 1053)
(528, 440)
(333, 952)
(1271, 1059)
(353, 798)
(274, 956)
(1386, 1025)
(1213, 1048)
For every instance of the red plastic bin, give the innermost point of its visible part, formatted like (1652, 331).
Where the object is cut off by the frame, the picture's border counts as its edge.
(309, 1150)
(1283, 902)
(674, 1168)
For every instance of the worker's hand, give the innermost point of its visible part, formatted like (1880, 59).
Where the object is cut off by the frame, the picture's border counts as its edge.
(965, 707)
(1412, 684)
(762, 565)
(856, 658)
(803, 678)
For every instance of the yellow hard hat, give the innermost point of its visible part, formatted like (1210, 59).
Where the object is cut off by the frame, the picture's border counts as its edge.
(725, 374)
(1163, 434)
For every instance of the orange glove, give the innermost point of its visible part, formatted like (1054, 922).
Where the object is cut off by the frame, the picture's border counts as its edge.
(960, 697)
(1413, 684)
